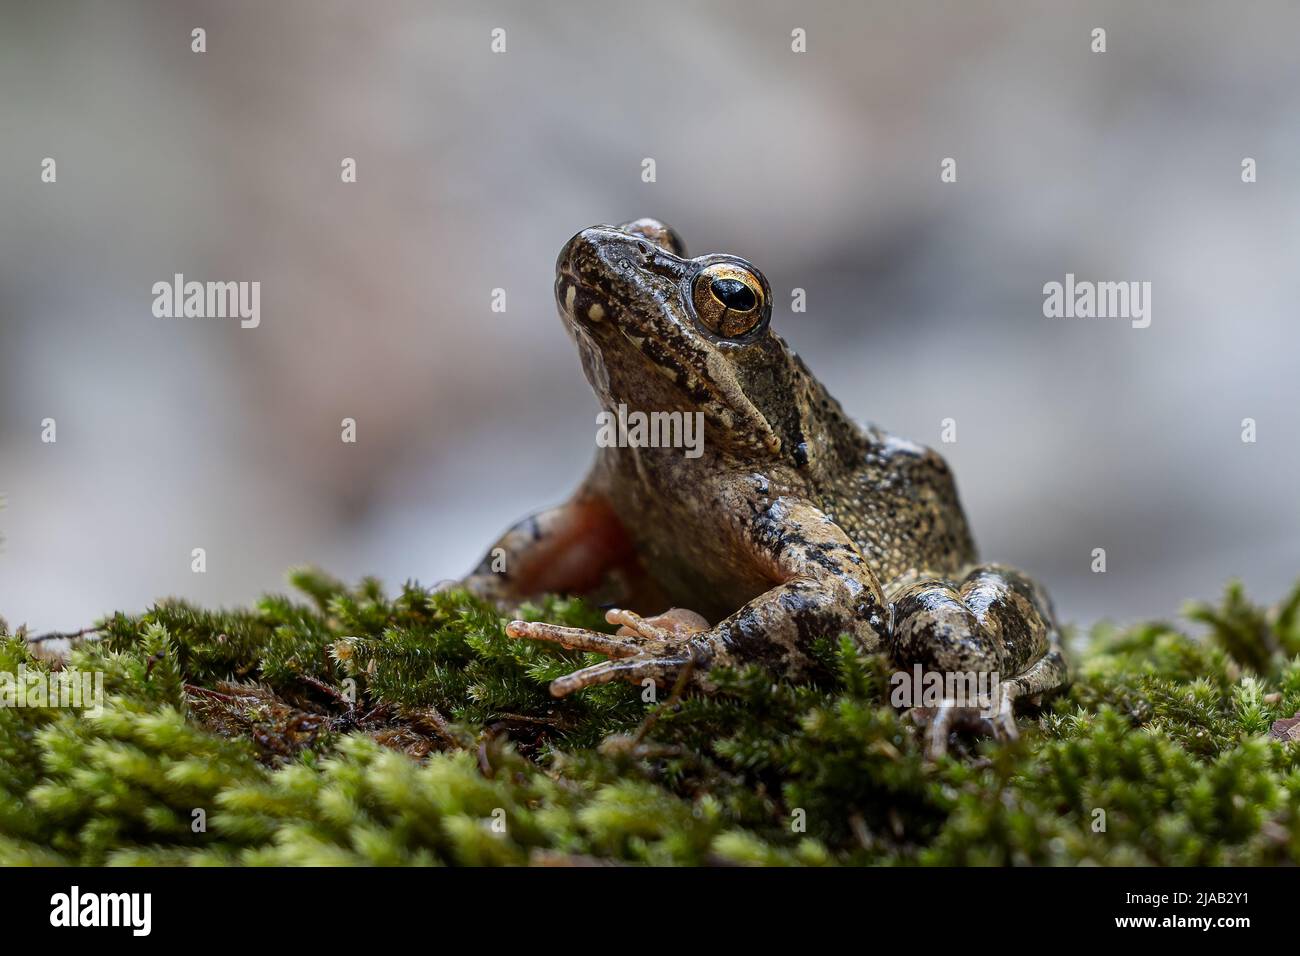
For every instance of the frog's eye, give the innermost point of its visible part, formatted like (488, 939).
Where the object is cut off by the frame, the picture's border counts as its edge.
(728, 299)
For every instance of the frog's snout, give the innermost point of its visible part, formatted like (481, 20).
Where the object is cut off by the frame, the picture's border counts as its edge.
(600, 249)
(581, 256)
(605, 273)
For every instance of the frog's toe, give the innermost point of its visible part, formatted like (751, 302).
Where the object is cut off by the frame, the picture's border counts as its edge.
(575, 638)
(660, 668)
(1003, 723)
(675, 623)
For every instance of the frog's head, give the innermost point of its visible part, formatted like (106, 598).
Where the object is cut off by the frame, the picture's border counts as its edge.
(660, 331)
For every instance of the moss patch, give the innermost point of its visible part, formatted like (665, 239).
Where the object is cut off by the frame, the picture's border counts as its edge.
(349, 726)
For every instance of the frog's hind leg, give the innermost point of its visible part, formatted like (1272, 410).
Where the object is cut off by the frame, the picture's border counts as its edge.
(993, 631)
(579, 547)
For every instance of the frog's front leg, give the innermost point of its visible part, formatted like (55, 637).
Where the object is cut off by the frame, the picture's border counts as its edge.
(822, 586)
(993, 630)
(579, 547)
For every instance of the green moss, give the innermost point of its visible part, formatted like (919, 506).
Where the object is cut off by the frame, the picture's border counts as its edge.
(354, 727)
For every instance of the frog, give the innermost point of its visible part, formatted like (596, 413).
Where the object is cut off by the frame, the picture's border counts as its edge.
(789, 524)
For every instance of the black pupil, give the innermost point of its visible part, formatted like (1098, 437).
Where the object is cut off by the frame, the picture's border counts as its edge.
(734, 294)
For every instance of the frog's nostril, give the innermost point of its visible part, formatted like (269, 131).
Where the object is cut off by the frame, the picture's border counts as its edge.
(734, 294)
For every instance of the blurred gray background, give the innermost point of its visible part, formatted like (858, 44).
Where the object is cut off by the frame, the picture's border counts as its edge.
(924, 299)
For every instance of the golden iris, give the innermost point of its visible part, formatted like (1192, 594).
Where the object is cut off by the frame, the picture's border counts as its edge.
(728, 299)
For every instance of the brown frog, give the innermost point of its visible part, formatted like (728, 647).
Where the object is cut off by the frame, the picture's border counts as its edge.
(789, 522)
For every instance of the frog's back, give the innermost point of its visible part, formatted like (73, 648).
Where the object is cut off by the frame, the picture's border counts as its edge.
(899, 504)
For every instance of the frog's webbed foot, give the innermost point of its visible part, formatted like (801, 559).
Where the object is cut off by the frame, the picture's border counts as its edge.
(942, 722)
(656, 647)
(993, 634)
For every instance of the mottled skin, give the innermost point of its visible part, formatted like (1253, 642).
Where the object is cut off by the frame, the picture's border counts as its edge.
(794, 523)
